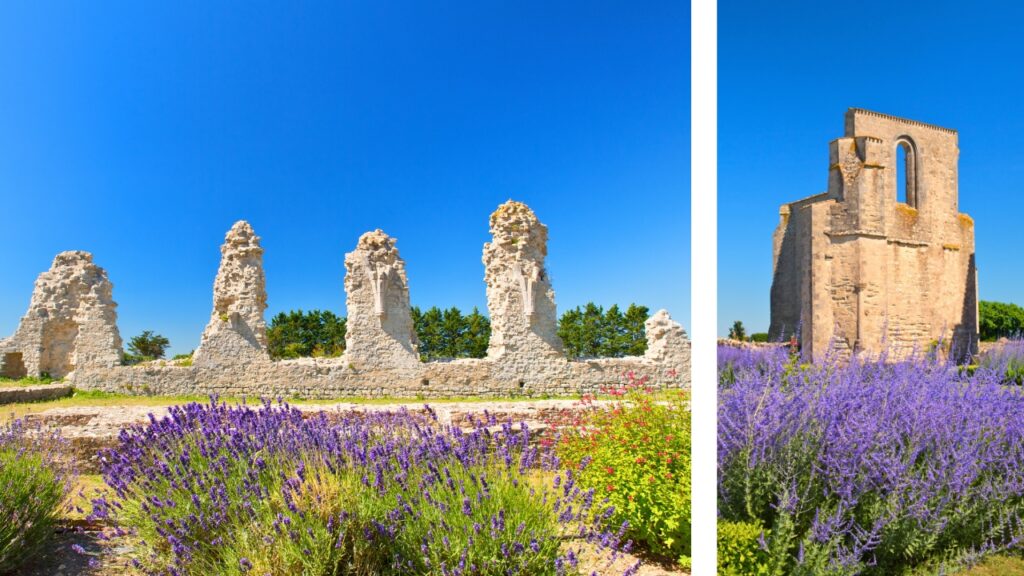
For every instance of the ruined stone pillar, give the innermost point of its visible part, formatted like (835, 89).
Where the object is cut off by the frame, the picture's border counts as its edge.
(520, 299)
(237, 332)
(71, 322)
(379, 332)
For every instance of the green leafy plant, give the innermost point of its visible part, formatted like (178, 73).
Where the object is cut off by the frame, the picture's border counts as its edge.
(34, 484)
(739, 549)
(450, 334)
(999, 319)
(638, 449)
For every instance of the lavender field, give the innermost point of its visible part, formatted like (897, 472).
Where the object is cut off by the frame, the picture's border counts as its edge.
(871, 467)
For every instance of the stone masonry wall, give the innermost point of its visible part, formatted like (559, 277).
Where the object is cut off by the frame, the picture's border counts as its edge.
(861, 270)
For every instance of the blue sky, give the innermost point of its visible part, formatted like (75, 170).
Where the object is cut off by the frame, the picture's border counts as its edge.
(141, 133)
(787, 73)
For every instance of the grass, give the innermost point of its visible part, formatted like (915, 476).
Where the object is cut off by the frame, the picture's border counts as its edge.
(27, 381)
(998, 565)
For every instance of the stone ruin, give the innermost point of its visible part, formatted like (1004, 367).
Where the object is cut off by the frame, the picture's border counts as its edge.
(379, 332)
(71, 322)
(381, 359)
(862, 268)
(237, 332)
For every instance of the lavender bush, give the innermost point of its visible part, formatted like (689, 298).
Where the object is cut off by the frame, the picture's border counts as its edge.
(872, 467)
(34, 485)
(213, 489)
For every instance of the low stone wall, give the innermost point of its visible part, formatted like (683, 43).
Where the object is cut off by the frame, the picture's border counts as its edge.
(13, 394)
(322, 378)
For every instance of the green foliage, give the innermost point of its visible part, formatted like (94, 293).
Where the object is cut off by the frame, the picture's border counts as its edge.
(32, 491)
(183, 359)
(999, 319)
(639, 458)
(590, 331)
(738, 332)
(299, 334)
(148, 345)
(739, 549)
(449, 334)
(27, 380)
(132, 359)
(759, 337)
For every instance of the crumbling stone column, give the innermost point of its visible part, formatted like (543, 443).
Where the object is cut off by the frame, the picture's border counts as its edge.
(520, 299)
(71, 322)
(237, 332)
(379, 332)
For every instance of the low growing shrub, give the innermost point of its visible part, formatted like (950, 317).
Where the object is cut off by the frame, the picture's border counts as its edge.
(33, 488)
(638, 450)
(739, 549)
(213, 489)
(872, 467)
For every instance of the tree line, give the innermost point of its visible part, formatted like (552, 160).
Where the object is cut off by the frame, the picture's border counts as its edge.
(587, 331)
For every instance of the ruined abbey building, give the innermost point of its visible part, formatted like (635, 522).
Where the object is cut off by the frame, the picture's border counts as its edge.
(877, 265)
(70, 330)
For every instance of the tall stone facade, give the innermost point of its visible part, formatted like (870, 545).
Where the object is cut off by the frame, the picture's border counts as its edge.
(520, 300)
(237, 332)
(71, 322)
(379, 331)
(874, 265)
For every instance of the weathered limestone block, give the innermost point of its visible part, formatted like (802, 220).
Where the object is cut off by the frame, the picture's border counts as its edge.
(379, 332)
(237, 332)
(71, 322)
(520, 299)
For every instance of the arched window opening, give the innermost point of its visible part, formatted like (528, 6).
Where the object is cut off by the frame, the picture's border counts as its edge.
(906, 173)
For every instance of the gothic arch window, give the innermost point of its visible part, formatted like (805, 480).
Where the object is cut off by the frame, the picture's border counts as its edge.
(906, 172)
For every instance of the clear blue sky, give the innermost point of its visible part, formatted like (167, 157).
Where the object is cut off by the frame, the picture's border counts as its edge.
(141, 133)
(789, 70)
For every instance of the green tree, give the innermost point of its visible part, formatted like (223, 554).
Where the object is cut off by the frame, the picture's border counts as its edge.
(999, 319)
(476, 337)
(737, 332)
(298, 334)
(591, 331)
(148, 346)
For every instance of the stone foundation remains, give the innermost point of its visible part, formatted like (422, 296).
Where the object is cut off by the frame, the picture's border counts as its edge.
(525, 356)
(862, 268)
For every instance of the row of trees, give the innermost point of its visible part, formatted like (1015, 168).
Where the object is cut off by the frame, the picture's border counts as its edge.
(586, 331)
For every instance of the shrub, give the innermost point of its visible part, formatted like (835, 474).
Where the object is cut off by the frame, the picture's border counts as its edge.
(213, 489)
(638, 450)
(33, 487)
(871, 467)
(760, 337)
(739, 549)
